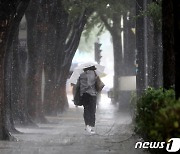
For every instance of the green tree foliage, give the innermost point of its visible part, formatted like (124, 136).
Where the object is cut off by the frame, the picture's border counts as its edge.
(88, 38)
(107, 9)
(154, 10)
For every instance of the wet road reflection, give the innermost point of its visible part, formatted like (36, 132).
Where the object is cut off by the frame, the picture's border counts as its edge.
(65, 134)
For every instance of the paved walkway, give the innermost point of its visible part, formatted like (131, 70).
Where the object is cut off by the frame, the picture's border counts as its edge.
(65, 134)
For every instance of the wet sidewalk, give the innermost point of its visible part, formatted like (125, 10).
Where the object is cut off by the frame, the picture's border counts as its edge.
(65, 134)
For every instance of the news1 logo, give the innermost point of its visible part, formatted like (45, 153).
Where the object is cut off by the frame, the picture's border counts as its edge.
(173, 145)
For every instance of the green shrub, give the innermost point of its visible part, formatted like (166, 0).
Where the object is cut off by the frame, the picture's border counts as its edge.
(167, 124)
(157, 116)
(156, 110)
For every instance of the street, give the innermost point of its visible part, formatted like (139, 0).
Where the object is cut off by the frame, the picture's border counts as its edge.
(65, 134)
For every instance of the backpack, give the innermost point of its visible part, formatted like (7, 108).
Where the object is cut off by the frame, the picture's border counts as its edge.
(99, 85)
(77, 97)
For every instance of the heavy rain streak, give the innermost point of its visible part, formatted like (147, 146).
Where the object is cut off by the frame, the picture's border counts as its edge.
(89, 77)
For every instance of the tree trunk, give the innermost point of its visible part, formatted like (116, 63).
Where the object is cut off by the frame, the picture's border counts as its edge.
(36, 40)
(49, 90)
(155, 60)
(8, 28)
(62, 104)
(115, 31)
(129, 46)
(140, 46)
(118, 64)
(67, 48)
(168, 44)
(9, 80)
(150, 39)
(49, 72)
(4, 133)
(177, 48)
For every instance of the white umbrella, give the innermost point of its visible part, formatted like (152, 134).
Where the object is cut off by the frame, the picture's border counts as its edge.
(79, 69)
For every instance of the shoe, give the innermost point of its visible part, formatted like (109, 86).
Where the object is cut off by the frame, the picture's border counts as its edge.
(93, 130)
(88, 129)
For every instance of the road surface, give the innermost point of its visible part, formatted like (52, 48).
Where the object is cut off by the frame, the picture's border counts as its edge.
(65, 134)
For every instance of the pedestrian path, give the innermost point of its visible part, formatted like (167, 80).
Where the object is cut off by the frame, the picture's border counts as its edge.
(65, 134)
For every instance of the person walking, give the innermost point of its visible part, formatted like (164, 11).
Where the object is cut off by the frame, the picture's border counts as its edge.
(88, 94)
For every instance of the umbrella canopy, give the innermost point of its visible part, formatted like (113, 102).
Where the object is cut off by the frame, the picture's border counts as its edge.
(79, 69)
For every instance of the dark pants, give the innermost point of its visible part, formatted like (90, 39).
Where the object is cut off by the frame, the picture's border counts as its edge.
(89, 103)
